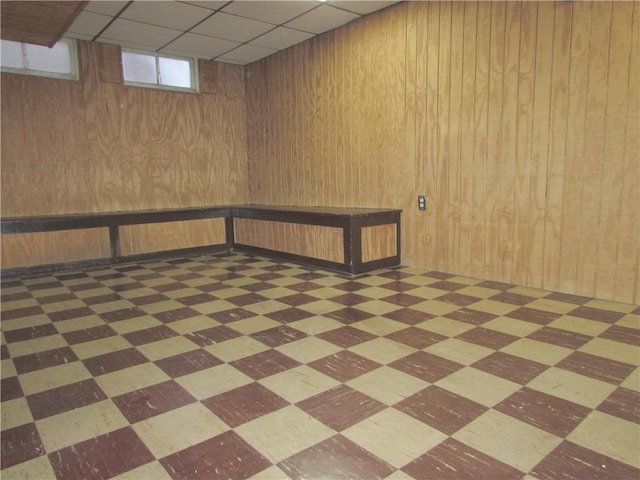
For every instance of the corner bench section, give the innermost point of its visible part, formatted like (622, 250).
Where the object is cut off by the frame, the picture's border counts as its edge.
(348, 240)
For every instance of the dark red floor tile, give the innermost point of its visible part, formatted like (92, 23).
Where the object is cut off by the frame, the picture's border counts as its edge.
(89, 334)
(186, 363)
(346, 336)
(10, 389)
(336, 458)
(349, 315)
(148, 299)
(487, 338)
(552, 414)
(29, 333)
(176, 314)
(105, 456)
(232, 315)
(20, 444)
(533, 315)
(511, 367)
(274, 337)
(408, 316)
(447, 285)
(597, 367)
(170, 287)
(44, 285)
(111, 362)
(341, 407)
(597, 314)
(4, 352)
(344, 365)
(122, 314)
(350, 286)
(223, 277)
(126, 287)
(571, 461)
(469, 315)
(257, 286)
(81, 287)
(562, 338)
(622, 334)
(264, 364)
(567, 298)
(212, 286)
(11, 297)
(297, 299)
(512, 298)
(246, 299)
(350, 299)
(209, 336)
(245, 403)
(394, 274)
(441, 409)
(187, 276)
(265, 277)
(453, 460)
(60, 297)
(289, 315)
(196, 299)
(309, 276)
(70, 314)
(416, 337)
(398, 286)
(98, 299)
(622, 403)
(40, 360)
(304, 286)
(22, 312)
(458, 299)
(426, 366)
(495, 285)
(65, 398)
(403, 299)
(224, 456)
(149, 335)
(151, 401)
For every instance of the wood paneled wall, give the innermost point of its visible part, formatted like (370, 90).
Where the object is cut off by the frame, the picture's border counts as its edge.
(92, 146)
(519, 121)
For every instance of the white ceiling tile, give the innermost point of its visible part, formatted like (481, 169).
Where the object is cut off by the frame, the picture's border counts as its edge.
(106, 7)
(79, 36)
(139, 33)
(231, 27)
(281, 38)
(180, 16)
(322, 19)
(210, 4)
(276, 12)
(89, 23)
(200, 45)
(246, 54)
(362, 7)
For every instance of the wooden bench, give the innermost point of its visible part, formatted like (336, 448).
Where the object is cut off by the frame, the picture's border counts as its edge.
(347, 240)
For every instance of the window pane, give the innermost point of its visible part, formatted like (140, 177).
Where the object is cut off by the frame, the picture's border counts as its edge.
(55, 59)
(11, 54)
(175, 72)
(138, 67)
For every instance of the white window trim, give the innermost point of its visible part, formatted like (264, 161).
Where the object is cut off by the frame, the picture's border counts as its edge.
(73, 61)
(193, 67)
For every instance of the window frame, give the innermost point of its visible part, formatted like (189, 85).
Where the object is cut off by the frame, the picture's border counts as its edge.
(24, 70)
(193, 71)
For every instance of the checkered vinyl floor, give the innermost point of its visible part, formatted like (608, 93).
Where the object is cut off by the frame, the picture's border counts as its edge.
(236, 366)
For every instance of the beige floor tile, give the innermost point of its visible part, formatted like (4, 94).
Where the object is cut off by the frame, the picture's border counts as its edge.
(375, 292)
(111, 306)
(633, 381)
(377, 307)
(181, 293)
(459, 351)
(465, 280)
(75, 324)
(52, 377)
(25, 322)
(619, 351)
(99, 347)
(512, 326)
(322, 306)
(630, 320)
(150, 471)
(38, 468)
(236, 348)
(476, 291)
(135, 324)
(268, 306)
(479, 386)
(373, 280)
(16, 304)
(612, 436)
(572, 386)
(394, 436)
(509, 440)
(529, 291)
(298, 383)
(382, 350)
(497, 308)
(36, 345)
(399, 475)
(271, 473)
(229, 292)
(59, 306)
(387, 385)
(165, 306)
(213, 381)
(308, 349)
(579, 325)
(316, 325)
(138, 292)
(131, 379)
(253, 324)
(379, 326)
(192, 324)
(445, 326)
(609, 305)
(81, 424)
(537, 351)
(327, 292)
(420, 280)
(283, 433)
(551, 305)
(425, 291)
(166, 348)
(178, 429)
(15, 412)
(435, 307)
(275, 293)
(7, 368)
(213, 307)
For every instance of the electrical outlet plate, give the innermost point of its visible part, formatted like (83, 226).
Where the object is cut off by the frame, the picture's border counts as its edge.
(422, 202)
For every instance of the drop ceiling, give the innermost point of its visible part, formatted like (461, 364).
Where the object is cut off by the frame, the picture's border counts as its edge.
(239, 32)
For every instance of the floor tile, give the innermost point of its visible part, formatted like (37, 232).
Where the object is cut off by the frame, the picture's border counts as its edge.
(299, 383)
(622, 403)
(511, 367)
(277, 336)
(596, 367)
(186, 363)
(572, 386)
(112, 362)
(64, 398)
(347, 336)
(479, 386)
(20, 444)
(426, 366)
(153, 400)
(344, 366)
(207, 383)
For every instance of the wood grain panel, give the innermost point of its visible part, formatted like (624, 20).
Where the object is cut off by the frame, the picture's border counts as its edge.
(43, 248)
(380, 241)
(324, 243)
(518, 120)
(159, 237)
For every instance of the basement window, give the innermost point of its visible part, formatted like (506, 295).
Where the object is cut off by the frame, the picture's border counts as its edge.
(154, 70)
(59, 61)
